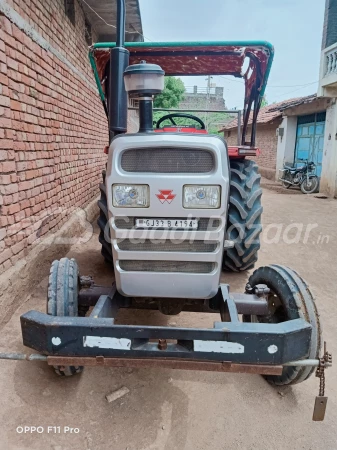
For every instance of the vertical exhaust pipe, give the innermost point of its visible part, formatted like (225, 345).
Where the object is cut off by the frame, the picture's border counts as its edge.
(119, 60)
(120, 31)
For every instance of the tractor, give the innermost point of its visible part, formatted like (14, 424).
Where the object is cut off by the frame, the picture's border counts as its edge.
(169, 198)
(243, 226)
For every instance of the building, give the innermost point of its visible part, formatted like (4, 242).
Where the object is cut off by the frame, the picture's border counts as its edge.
(209, 98)
(197, 97)
(301, 134)
(328, 88)
(309, 131)
(268, 121)
(53, 127)
(288, 132)
(300, 129)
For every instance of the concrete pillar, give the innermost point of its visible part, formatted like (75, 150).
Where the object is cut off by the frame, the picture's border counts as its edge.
(328, 184)
(286, 143)
(219, 91)
(195, 89)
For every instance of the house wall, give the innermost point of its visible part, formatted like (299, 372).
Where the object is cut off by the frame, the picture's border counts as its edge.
(328, 183)
(330, 24)
(328, 87)
(286, 143)
(266, 141)
(52, 125)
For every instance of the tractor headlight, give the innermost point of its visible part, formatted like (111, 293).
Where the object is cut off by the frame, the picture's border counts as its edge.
(207, 197)
(131, 196)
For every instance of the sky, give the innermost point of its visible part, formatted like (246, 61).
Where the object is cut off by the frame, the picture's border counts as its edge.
(294, 27)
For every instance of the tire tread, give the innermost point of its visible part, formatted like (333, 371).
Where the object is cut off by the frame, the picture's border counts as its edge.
(62, 297)
(103, 223)
(244, 216)
(299, 303)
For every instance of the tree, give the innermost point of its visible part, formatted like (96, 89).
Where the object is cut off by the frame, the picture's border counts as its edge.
(171, 97)
(264, 102)
(172, 94)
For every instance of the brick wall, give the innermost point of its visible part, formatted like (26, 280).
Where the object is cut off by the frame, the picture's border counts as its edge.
(52, 125)
(266, 141)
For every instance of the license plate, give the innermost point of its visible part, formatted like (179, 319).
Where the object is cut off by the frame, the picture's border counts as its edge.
(173, 224)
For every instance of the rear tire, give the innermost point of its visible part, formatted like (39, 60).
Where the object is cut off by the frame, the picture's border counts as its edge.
(311, 187)
(289, 298)
(62, 299)
(103, 223)
(286, 184)
(244, 216)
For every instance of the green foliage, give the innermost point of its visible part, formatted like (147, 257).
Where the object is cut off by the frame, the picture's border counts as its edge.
(212, 121)
(264, 102)
(172, 94)
(216, 121)
(171, 97)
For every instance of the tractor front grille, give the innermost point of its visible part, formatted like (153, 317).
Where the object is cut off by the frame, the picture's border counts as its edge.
(167, 266)
(138, 245)
(168, 160)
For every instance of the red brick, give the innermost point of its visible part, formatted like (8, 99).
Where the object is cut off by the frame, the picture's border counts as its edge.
(6, 143)
(24, 185)
(19, 216)
(12, 209)
(5, 179)
(4, 101)
(16, 105)
(5, 123)
(6, 25)
(6, 254)
(18, 247)
(7, 166)
(3, 221)
(9, 189)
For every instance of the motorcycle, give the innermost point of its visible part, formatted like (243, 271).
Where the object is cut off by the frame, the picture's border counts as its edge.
(303, 176)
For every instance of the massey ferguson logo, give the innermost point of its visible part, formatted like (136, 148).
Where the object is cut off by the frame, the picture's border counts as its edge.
(165, 196)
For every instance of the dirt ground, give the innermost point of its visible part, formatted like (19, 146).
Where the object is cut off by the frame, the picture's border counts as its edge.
(183, 410)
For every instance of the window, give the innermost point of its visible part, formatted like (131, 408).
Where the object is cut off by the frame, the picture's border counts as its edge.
(311, 118)
(69, 7)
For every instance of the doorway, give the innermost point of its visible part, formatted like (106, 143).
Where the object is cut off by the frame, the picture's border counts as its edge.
(310, 140)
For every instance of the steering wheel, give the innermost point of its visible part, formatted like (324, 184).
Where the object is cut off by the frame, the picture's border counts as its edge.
(186, 116)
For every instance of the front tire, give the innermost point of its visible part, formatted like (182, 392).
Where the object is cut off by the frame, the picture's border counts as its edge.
(311, 186)
(244, 216)
(289, 298)
(62, 299)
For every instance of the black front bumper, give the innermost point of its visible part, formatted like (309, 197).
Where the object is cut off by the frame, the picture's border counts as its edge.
(237, 342)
